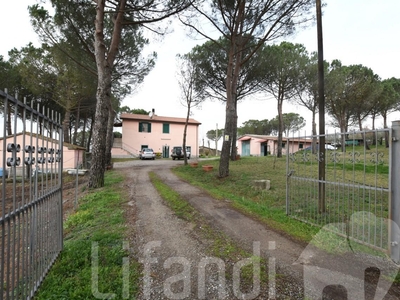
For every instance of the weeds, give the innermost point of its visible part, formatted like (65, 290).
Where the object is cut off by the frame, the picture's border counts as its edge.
(99, 223)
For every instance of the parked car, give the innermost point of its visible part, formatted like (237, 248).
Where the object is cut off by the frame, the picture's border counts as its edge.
(177, 152)
(188, 149)
(330, 147)
(147, 153)
(327, 147)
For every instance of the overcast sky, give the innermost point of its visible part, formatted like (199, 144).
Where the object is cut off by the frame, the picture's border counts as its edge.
(354, 31)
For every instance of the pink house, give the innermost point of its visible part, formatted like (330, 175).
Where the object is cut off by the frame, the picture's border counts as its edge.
(157, 132)
(72, 154)
(263, 145)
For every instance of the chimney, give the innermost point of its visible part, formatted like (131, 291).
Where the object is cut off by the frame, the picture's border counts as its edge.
(152, 113)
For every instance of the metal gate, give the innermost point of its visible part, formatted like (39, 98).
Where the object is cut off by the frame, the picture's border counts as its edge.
(352, 198)
(31, 215)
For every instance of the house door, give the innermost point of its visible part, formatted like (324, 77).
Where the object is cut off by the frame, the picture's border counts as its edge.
(245, 148)
(165, 151)
(264, 149)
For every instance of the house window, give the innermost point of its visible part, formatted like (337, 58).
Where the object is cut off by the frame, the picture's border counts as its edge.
(165, 128)
(144, 127)
(300, 146)
(283, 145)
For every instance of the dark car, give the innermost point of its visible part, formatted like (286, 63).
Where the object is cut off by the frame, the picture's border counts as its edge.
(177, 152)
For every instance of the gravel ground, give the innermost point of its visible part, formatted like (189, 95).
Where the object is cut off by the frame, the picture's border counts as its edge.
(165, 245)
(176, 264)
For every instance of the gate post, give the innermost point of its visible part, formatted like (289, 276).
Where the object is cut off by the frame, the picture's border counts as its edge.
(394, 188)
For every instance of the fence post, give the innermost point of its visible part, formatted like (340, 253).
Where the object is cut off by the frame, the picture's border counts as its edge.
(394, 188)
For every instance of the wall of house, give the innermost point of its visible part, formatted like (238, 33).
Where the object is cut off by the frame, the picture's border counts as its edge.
(73, 157)
(70, 157)
(255, 146)
(132, 139)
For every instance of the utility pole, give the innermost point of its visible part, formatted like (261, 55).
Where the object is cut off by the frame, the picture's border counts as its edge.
(321, 108)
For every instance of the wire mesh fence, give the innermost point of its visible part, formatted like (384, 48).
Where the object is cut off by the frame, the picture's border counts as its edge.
(31, 188)
(352, 196)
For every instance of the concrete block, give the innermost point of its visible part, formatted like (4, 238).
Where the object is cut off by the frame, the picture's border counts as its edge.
(262, 184)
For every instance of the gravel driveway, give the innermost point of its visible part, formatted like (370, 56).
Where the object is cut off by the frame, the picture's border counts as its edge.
(176, 264)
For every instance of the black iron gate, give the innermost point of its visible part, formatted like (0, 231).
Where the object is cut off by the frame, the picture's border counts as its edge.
(31, 216)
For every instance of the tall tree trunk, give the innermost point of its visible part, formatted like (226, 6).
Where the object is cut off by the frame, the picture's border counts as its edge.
(232, 77)
(76, 125)
(343, 135)
(110, 136)
(230, 113)
(82, 144)
(384, 116)
(185, 132)
(67, 116)
(105, 63)
(234, 136)
(314, 124)
(98, 164)
(97, 168)
(238, 60)
(89, 140)
(227, 140)
(373, 128)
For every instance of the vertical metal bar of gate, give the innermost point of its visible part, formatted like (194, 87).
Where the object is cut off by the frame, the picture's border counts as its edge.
(394, 187)
(3, 207)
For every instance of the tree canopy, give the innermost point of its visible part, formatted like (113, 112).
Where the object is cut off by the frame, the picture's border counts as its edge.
(212, 62)
(191, 96)
(284, 64)
(105, 38)
(241, 22)
(292, 122)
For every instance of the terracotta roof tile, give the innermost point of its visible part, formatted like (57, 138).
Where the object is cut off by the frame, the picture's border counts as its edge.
(157, 118)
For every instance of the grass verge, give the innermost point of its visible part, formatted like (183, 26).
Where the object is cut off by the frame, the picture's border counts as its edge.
(268, 207)
(93, 246)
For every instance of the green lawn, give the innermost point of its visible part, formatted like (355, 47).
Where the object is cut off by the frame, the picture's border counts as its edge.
(95, 233)
(94, 246)
(270, 206)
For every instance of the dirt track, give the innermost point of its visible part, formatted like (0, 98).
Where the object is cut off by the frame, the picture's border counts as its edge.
(174, 255)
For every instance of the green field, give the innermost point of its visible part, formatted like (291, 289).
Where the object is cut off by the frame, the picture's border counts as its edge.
(357, 186)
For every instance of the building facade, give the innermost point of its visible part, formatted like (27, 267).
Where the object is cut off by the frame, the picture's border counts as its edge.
(72, 155)
(159, 133)
(263, 145)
